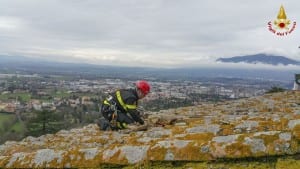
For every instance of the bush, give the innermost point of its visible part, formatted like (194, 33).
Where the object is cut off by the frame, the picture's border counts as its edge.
(275, 89)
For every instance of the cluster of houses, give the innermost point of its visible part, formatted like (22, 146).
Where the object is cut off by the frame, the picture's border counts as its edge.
(34, 104)
(176, 89)
(8, 107)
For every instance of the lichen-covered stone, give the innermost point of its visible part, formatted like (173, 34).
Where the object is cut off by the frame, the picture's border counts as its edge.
(248, 125)
(15, 157)
(257, 145)
(287, 136)
(174, 143)
(169, 156)
(293, 123)
(226, 139)
(107, 154)
(204, 129)
(259, 127)
(89, 154)
(134, 154)
(44, 156)
(158, 132)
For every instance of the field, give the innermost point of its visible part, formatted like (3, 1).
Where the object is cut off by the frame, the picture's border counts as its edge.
(8, 119)
(11, 96)
(5, 117)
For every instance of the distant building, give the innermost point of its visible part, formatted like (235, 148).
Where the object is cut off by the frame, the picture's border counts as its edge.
(74, 103)
(86, 100)
(35, 104)
(2, 106)
(10, 108)
(6, 92)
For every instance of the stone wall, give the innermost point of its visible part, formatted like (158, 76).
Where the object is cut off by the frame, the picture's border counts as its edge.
(259, 132)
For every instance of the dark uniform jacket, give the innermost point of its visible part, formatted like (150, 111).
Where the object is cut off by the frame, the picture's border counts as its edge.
(126, 101)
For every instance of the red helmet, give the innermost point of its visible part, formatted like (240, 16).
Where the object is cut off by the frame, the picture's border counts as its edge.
(143, 86)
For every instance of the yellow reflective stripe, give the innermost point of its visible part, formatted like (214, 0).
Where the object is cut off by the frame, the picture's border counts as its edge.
(106, 102)
(125, 106)
(121, 125)
(129, 106)
(118, 93)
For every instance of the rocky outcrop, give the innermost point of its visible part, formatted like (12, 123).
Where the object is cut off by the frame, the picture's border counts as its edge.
(203, 136)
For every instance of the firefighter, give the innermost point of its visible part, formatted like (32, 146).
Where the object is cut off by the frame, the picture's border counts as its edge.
(120, 108)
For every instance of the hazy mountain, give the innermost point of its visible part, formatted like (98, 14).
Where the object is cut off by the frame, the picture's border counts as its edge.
(261, 58)
(9, 59)
(25, 65)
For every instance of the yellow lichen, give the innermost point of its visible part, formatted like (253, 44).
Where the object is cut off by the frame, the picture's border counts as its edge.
(118, 159)
(283, 123)
(296, 132)
(195, 121)
(268, 125)
(269, 139)
(170, 165)
(199, 137)
(238, 150)
(227, 130)
(287, 164)
(3, 161)
(178, 129)
(191, 153)
(156, 154)
(242, 165)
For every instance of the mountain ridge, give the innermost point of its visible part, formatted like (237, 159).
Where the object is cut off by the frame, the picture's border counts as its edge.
(38, 65)
(260, 58)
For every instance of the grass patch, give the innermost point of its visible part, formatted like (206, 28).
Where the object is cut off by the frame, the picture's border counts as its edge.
(6, 122)
(17, 127)
(25, 97)
(61, 94)
(5, 117)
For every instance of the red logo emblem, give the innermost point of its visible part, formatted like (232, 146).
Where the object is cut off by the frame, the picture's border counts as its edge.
(281, 26)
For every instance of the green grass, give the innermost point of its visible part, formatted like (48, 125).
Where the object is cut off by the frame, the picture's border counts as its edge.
(17, 127)
(5, 117)
(87, 94)
(61, 94)
(12, 96)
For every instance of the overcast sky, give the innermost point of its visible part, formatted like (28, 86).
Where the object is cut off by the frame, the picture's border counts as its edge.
(158, 33)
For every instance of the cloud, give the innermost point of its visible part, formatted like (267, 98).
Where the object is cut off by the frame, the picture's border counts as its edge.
(159, 33)
(9, 23)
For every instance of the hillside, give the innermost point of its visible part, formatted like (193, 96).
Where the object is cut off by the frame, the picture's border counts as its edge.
(260, 58)
(259, 132)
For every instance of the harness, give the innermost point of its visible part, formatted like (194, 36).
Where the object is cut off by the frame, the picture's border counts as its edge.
(126, 107)
(114, 109)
